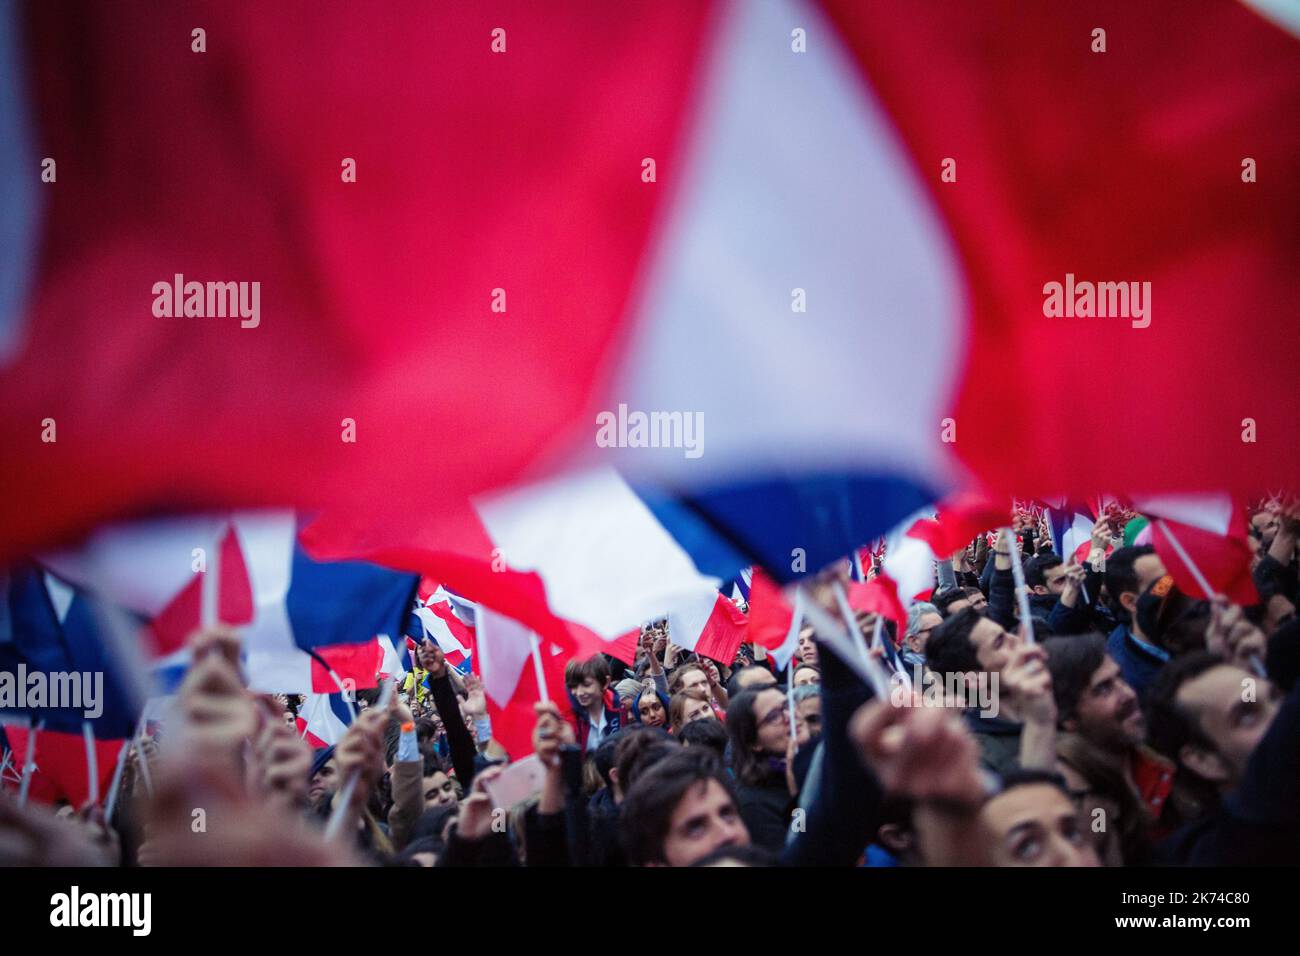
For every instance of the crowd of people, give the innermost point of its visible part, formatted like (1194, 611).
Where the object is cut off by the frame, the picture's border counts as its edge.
(1132, 725)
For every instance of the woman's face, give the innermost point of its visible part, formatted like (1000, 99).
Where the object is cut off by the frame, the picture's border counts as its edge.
(697, 710)
(773, 723)
(651, 710)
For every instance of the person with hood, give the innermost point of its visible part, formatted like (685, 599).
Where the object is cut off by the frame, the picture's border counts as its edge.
(650, 708)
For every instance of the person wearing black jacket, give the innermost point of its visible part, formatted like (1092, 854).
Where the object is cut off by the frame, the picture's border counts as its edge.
(459, 740)
(759, 726)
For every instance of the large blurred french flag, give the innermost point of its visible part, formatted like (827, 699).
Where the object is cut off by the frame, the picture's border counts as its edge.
(778, 174)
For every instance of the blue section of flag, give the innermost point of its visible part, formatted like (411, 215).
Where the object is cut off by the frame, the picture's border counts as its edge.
(764, 522)
(345, 602)
(74, 647)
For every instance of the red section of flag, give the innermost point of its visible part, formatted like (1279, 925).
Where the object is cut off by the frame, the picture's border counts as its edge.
(770, 615)
(623, 647)
(960, 520)
(878, 596)
(1122, 166)
(441, 225)
(1224, 560)
(171, 628)
(512, 725)
(358, 663)
(724, 632)
(60, 760)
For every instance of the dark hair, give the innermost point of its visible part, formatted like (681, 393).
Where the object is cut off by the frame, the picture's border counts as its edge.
(577, 671)
(1170, 726)
(1037, 566)
(1121, 575)
(704, 733)
(945, 599)
(638, 749)
(603, 757)
(433, 763)
(1020, 777)
(747, 855)
(432, 822)
(428, 844)
(647, 810)
(949, 649)
(734, 685)
(1072, 661)
(742, 727)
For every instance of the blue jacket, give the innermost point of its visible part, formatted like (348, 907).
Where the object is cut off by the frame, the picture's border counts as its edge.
(1139, 662)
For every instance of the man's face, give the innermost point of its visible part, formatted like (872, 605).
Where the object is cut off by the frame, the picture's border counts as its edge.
(651, 710)
(759, 677)
(806, 649)
(993, 644)
(696, 679)
(1108, 713)
(926, 624)
(439, 790)
(1218, 701)
(773, 723)
(588, 692)
(1036, 825)
(323, 781)
(979, 602)
(1055, 578)
(697, 710)
(705, 819)
(810, 712)
(1149, 569)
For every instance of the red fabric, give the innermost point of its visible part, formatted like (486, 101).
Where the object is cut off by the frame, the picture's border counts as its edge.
(770, 615)
(475, 171)
(961, 518)
(172, 627)
(358, 663)
(1225, 561)
(1116, 166)
(724, 632)
(623, 648)
(60, 760)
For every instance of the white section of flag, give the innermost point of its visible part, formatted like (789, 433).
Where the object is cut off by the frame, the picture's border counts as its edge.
(1208, 512)
(503, 648)
(606, 561)
(795, 178)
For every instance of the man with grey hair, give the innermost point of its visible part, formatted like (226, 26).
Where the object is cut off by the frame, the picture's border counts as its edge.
(922, 618)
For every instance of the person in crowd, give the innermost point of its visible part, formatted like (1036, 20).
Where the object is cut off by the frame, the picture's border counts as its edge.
(1129, 572)
(1117, 781)
(594, 710)
(689, 706)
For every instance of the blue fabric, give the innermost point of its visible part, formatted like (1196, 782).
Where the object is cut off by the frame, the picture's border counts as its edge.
(1139, 662)
(765, 520)
(345, 602)
(36, 639)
